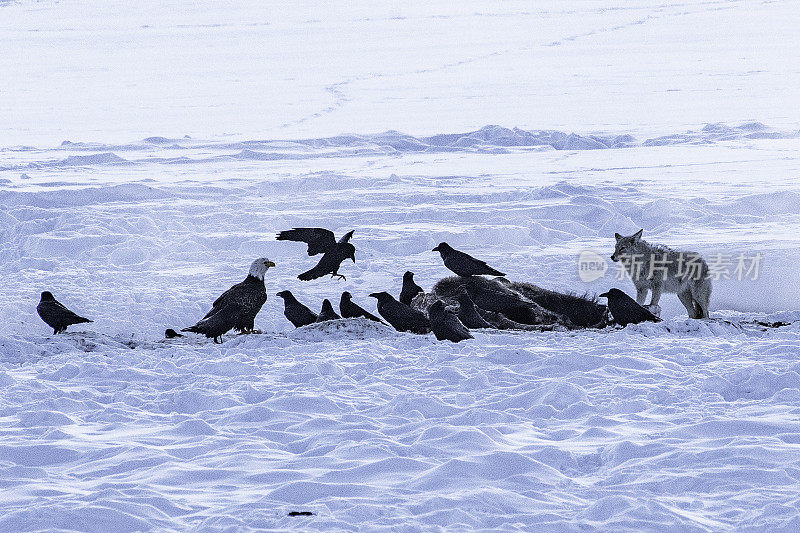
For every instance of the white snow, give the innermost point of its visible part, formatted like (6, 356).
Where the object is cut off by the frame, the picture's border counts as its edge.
(149, 152)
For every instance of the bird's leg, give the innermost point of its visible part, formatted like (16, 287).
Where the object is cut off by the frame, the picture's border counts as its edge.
(337, 275)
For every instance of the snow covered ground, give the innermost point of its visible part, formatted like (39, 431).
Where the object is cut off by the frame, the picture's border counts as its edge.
(149, 152)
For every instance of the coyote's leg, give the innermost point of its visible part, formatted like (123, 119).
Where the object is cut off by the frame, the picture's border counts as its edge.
(701, 294)
(688, 302)
(641, 295)
(656, 294)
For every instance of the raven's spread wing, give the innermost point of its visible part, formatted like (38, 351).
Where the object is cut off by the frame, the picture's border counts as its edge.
(346, 237)
(319, 240)
(322, 268)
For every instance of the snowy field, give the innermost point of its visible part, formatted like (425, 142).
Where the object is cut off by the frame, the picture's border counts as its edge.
(150, 152)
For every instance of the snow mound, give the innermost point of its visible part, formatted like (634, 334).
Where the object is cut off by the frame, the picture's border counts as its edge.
(345, 328)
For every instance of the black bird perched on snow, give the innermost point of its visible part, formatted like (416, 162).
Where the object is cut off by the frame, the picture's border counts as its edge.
(297, 313)
(463, 264)
(399, 315)
(468, 315)
(626, 310)
(171, 334)
(446, 325)
(237, 307)
(322, 241)
(410, 289)
(56, 315)
(327, 312)
(350, 309)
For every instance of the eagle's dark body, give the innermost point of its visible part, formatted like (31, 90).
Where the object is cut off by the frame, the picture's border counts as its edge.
(237, 307)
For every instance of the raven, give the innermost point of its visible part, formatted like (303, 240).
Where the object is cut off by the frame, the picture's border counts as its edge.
(297, 313)
(463, 264)
(322, 241)
(56, 315)
(410, 289)
(446, 325)
(327, 312)
(399, 315)
(626, 310)
(350, 309)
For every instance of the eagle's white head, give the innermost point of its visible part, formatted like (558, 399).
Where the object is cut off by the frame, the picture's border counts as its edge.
(260, 266)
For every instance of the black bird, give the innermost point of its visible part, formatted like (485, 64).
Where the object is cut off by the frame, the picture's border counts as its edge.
(322, 241)
(171, 334)
(56, 315)
(399, 315)
(626, 310)
(410, 289)
(238, 306)
(464, 264)
(350, 309)
(446, 325)
(297, 313)
(468, 315)
(319, 240)
(327, 312)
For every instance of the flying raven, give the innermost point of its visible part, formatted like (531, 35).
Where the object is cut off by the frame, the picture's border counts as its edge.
(322, 241)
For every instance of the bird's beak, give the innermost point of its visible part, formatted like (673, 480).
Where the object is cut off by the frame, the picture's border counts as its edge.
(269, 264)
(604, 295)
(435, 249)
(374, 294)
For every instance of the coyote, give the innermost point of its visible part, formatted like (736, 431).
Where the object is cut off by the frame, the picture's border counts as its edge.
(658, 268)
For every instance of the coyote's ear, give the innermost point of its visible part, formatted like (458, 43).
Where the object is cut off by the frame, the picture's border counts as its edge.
(637, 235)
(618, 236)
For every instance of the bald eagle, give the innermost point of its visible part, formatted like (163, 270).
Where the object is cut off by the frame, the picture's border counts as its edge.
(238, 306)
